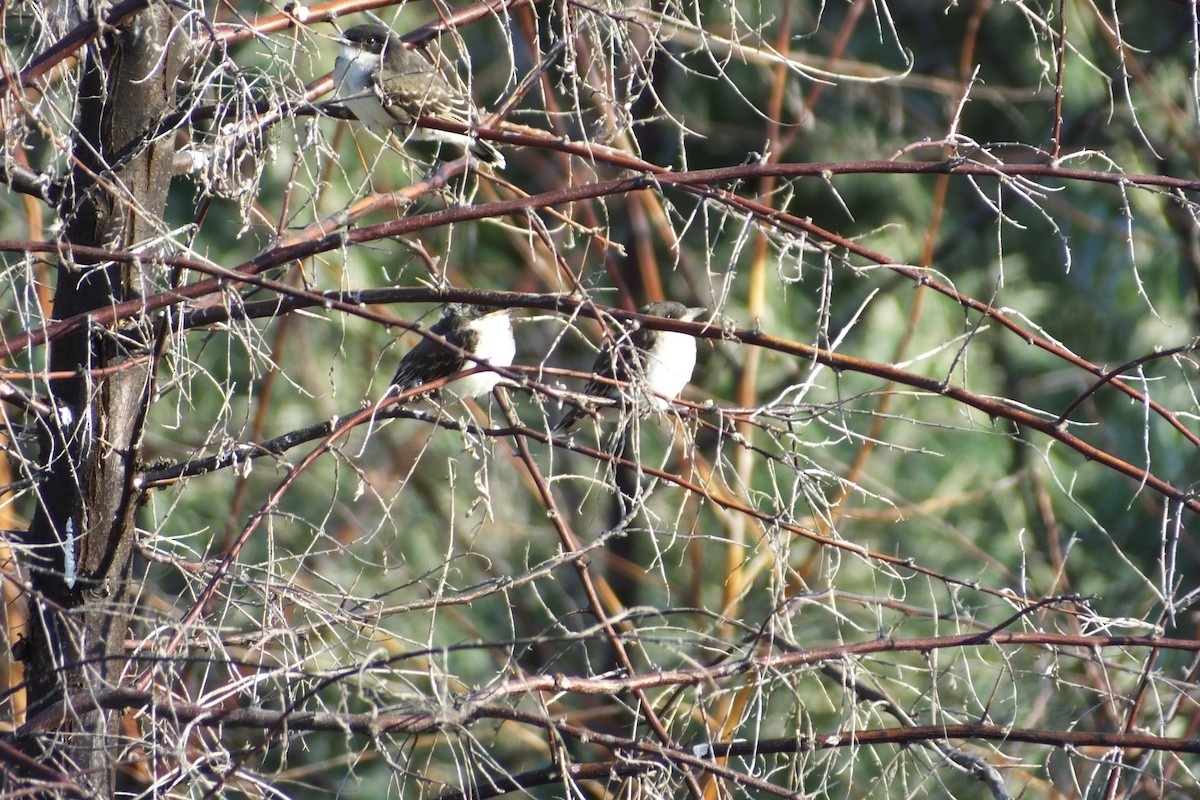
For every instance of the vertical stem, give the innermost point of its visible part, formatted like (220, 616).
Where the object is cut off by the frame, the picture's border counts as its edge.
(83, 526)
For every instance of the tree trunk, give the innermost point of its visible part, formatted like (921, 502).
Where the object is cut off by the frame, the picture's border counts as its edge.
(84, 523)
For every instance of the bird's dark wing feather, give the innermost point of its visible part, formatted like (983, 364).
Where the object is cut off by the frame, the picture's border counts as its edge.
(615, 362)
(618, 361)
(428, 361)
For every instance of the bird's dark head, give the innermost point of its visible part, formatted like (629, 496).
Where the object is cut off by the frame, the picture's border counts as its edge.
(468, 312)
(370, 38)
(669, 309)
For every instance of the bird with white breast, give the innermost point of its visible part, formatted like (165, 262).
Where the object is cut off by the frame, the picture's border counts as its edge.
(389, 87)
(643, 369)
(475, 333)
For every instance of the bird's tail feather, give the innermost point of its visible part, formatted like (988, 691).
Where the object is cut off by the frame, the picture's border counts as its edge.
(486, 152)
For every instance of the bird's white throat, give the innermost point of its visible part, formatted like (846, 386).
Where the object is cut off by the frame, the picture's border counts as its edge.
(494, 345)
(669, 365)
(354, 74)
(495, 339)
(355, 69)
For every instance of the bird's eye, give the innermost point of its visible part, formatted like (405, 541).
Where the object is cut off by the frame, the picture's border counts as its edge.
(482, 310)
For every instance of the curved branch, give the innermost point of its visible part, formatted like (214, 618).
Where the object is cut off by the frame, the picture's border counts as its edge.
(699, 755)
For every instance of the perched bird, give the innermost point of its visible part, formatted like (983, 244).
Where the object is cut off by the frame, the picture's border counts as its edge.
(485, 333)
(651, 362)
(388, 87)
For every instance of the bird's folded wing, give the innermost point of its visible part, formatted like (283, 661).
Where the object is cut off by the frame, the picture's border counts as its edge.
(417, 88)
(427, 362)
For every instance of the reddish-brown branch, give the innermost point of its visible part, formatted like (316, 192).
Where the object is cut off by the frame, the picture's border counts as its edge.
(766, 663)
(309, 246)
(475, 708)
(229, 33)
(700, 181)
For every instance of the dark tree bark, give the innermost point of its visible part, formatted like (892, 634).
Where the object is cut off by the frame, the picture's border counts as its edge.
(84, 523)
